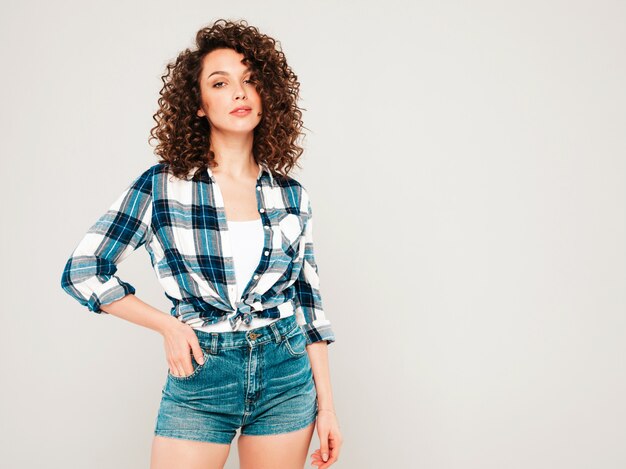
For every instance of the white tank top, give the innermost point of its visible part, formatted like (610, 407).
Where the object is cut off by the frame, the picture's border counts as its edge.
(247, 241)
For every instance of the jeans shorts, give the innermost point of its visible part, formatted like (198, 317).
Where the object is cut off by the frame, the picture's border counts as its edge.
(259, 381)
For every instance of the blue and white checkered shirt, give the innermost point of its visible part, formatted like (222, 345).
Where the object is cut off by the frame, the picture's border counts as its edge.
(183, 226)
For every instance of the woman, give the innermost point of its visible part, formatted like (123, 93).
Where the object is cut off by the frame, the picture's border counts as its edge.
(230, 238)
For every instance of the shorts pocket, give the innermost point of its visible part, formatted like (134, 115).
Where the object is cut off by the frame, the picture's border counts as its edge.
(295, 343)
(196, 370)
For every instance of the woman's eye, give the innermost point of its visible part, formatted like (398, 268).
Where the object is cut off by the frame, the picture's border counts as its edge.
(249, 80)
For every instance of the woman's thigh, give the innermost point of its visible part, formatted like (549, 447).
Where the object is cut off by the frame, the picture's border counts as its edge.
(279, 451)
(168, 453)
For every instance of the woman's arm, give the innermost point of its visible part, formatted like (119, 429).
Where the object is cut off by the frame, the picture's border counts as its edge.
(318, 356)
(89, 275)
(138, 312)
(327, 424)
(310, 310)
(319, 335)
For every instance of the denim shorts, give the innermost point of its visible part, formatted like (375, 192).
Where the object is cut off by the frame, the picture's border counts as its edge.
(259, 381)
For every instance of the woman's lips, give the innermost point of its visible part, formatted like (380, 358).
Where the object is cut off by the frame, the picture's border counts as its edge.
(241, 112)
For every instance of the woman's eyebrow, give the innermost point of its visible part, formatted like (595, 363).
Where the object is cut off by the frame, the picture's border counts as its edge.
(221, 72)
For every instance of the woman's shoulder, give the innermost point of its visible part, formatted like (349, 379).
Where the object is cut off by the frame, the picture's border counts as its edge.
(163, 170)
(289, 183)
(152, 170)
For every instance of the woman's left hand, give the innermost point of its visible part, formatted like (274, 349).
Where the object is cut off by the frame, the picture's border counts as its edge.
(330, 439)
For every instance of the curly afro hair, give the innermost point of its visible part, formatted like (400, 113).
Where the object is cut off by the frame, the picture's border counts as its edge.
(184, 137)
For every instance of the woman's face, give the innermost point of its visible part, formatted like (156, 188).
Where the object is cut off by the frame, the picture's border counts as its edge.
(226, 84)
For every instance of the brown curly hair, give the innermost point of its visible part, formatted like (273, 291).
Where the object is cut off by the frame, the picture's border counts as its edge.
(184, 137)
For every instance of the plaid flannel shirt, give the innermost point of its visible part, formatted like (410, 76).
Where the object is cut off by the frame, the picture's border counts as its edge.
(183, 226)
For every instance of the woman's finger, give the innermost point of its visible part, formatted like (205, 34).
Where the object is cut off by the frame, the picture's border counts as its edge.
(182, 364)
(316, 459)
(176, 369)
(197, 351)
(335, 446)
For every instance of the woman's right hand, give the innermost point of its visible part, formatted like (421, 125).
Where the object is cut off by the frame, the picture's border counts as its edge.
(179, 339)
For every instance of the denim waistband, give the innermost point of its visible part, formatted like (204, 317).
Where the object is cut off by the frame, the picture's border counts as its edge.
(276, 331)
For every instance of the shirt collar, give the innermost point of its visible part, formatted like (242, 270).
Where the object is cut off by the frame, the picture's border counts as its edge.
(263, 172)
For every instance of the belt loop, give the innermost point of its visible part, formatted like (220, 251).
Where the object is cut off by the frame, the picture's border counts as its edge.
(276, 332)
(214, 338)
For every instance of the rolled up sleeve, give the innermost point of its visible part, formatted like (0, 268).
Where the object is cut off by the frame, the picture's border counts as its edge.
(310, 313)
(89, 275)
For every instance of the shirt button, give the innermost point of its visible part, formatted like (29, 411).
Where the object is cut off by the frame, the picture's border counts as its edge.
(258, 188)
(262, 210)
(267, 253)
(256, 276)
(267, 227)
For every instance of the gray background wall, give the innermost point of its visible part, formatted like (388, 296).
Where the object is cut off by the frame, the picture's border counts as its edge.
(466, 161)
